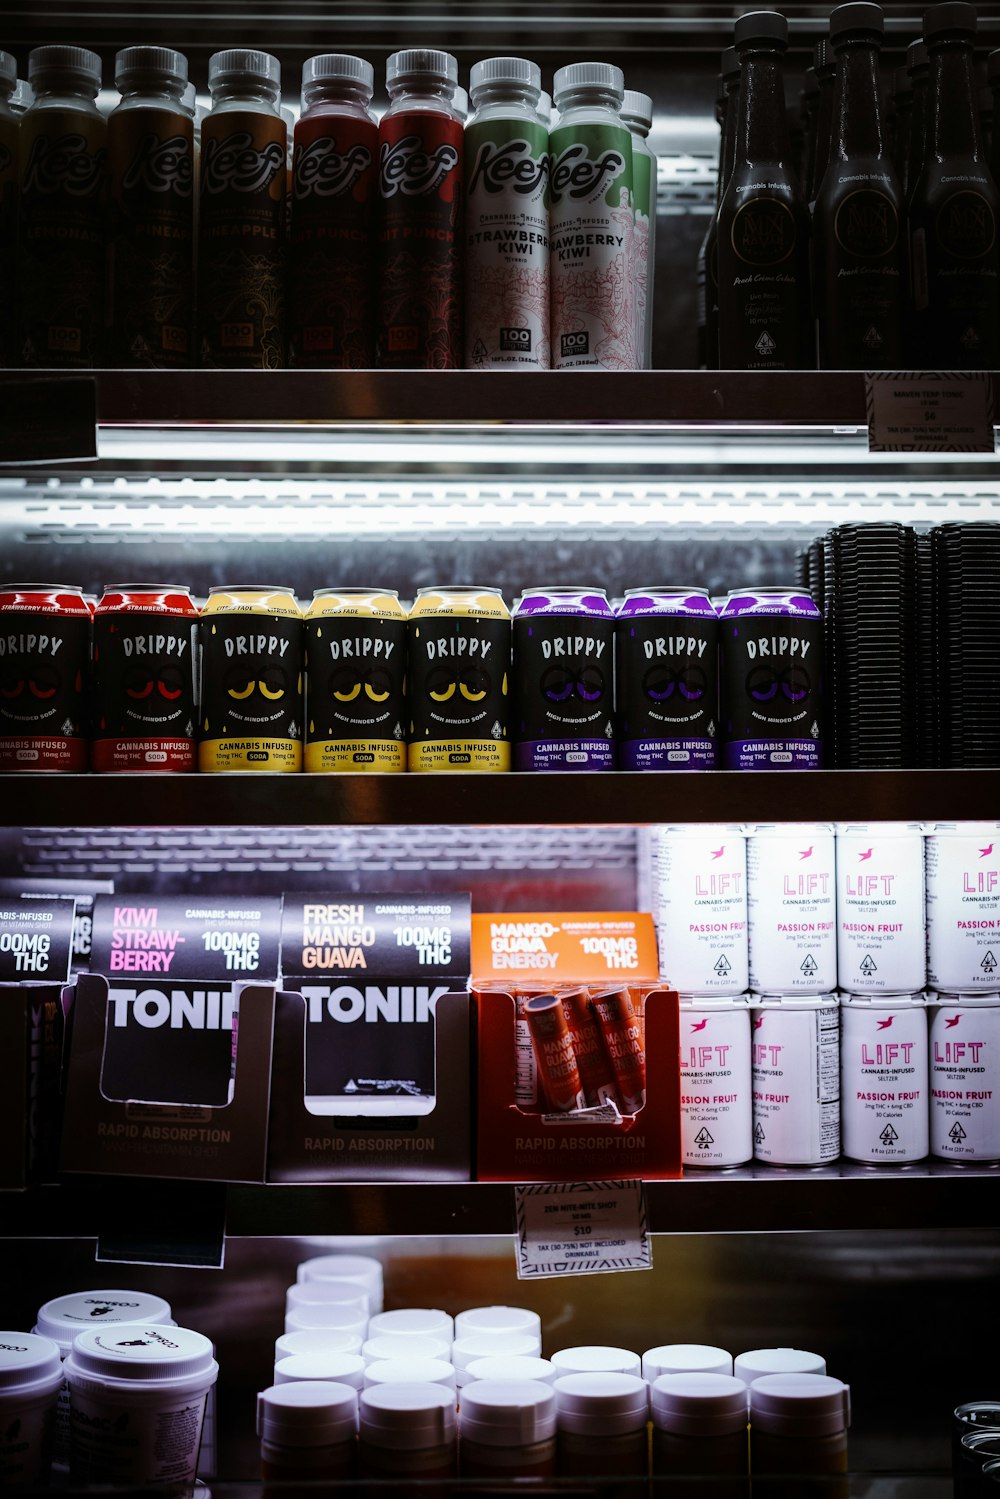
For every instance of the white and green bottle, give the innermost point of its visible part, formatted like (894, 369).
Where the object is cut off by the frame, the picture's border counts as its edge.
(506, 219)
(637, 114)
(591, 222)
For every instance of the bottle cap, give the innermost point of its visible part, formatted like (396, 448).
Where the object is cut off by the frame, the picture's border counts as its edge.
(62, 1318)
(637, 107)
(362, 1268)
(800, 1405)
(333, 1317)
(143, 1352)
(505, 72)
(8, 74)
(761, 26)
(310, 1414)
(408, 1370)
(730, 64)
(419, 1321)
(316, 1340)
(504, 1366)
(460, 101)
(545, 107)
(498, 1319)
(993, 65)
(601, 1404)
(597, 1359)
(858, 15)
(421, 65)
(244, 65)
(698, 1405)
(340, 1368)
(953, 17)
(189, 99)
(56, 63)
(589, 75)
(685, 1358)
(405, 1417)
(402, 1345)
(28, 1363)
(750, 1366)
(150, 64)
(467, 1350)
(23, 96)
(917, 57)
(502, 1413)
(318, 73)
(327, 1293)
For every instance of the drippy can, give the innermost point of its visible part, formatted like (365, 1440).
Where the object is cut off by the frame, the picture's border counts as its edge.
(8, 211)
(144, 679)
(44, 645)
(965, 1076)
(772, 680)
(697, 886)
(883, 1077)
(792, 907)
(564, 642)
(355, 644)
(667, 665)
(880, 907)
(963, 905)
(251, 680)
(795, 1053)
(716, 1104)
(459, 680)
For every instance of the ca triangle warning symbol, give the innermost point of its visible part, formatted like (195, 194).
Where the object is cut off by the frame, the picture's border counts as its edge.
(703, 1139)
(888, 1135)
(956, 1134)
(868, 965)
(808, 966)
(989, 963)
(758, 1133)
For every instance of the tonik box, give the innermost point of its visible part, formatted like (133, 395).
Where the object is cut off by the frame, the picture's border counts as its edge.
(372, 1039)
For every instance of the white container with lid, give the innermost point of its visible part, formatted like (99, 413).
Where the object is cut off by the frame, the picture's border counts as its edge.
(316, 1340)
(331, 1368)
(408, 1430)
(31, 1377)
(798, 1424)
(502, 1367)
(434, 1371)
(399, 1345)
(327, 1293)
(601, 1420)
(597, 1358)
(466, 1350)
(965, 1076)
(685, 1358)
(508, 1429)
(137, 1403)
(760, 1361)
(363, 1269)
(328, 1317)
(709, 1405)
(499, 1321)
(309, 1427)
(414, 1321)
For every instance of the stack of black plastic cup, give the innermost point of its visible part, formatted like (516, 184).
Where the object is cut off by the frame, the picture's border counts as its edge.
(966, 576)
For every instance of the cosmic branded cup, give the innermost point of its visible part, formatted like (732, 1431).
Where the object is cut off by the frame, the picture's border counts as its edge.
(355, 648)
(667, 661)
(144, 679)
(459, 680)
(564, 646)
(44, 647)
(772, 680)
(251, 680)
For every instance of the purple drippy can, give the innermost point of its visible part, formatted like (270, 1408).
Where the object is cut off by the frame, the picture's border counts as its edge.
(772, 680)
(667, 655)
(564, 646)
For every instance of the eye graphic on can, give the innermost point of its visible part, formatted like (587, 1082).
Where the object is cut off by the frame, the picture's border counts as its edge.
(255, 695)
(43, 684)
(764, 684)
(660, 682)
(139, 685)
(444, 685)
(560, 685)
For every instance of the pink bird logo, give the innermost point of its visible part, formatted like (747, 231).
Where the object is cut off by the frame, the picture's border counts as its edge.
(866, 855)
(758, 1022)
(806, 853)
(718, 852)
(984, 851)
(700, 1024)
(953, 1022)
(883, 1025)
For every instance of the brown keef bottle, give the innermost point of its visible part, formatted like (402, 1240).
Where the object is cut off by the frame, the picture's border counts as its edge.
(708, 257)
(954, 253)
(764, 309)
(857, 224)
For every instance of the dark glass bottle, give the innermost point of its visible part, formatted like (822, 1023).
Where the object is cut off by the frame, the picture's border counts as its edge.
(918, 67)
(708, 259)
(825, 64)
(764, 305)
(903, 98)
(858, 221)
(993, 80)
(954, 254)
(703, 356)
(810, 109)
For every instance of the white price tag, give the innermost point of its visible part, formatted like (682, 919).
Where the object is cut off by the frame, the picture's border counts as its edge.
(578, 1228)
(930, 411)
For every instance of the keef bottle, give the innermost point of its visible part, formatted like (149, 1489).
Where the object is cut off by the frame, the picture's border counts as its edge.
(151, 161)
(334, 195)
(506, 219)
(637, 113)
(708, 258)
(8, 210)
(993, 74)
(763, 221)
(857, 220)
(591, 222)
(420, 225)
(242, 215)
(63, 179)
(954, 253)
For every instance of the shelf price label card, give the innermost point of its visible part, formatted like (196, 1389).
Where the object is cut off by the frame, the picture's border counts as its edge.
(581, 1228)
(930, 411)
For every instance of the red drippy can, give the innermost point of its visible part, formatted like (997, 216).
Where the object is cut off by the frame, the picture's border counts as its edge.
(144, 679)
(557, 1067)
(420, 220)
(622, 1035)
(44, 646)
(596, 1072)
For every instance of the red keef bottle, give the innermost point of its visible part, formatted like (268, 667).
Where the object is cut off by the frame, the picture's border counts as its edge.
(334, 194)
(308, 1431)
(420, 221)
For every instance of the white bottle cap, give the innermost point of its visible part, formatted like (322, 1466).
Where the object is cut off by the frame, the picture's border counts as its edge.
(411, 1371)
(499, 1320)
(53, 64)
(8, 74)
(460, 100)
(317, 1340)
(637, 107)
(414, 1321)
(29, 1364)
(152, 64)
(405, 1417)
(315, 1414)
(399, 1345)
(589, 75)
(507, 1413)
(336, 1368)
(421, 65)
(503, 1367)
(759, 1361)
(597, 1359)
(505, 72)
(696, 1405)
(800, 1405)
(327, 1293)
(363, 1269)
(601, 1405)
(23, 96)
(545, 107)
(685, 1358)
(333, 1318)
(62, 1318)
(332, 68)
(244, 65)
(465, 1350)
(189, 99)
(144, 1353)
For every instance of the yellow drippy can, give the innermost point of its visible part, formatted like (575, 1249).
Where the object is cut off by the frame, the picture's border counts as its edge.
(459, 680)
(251, 680)
(355, 680)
